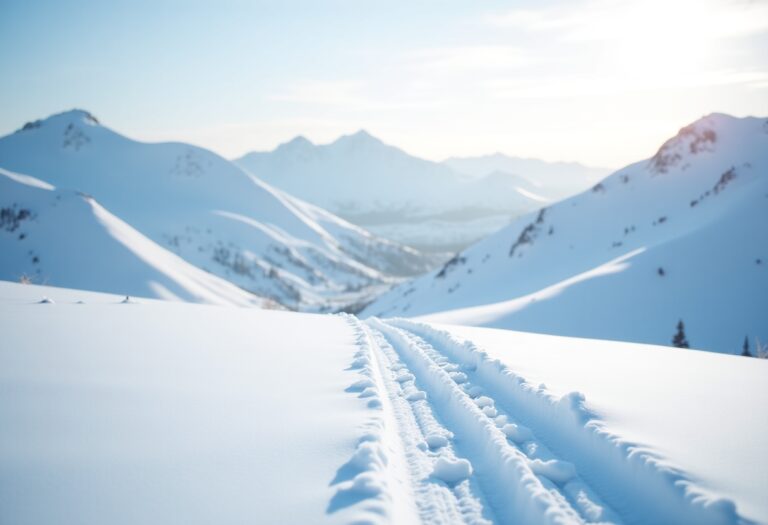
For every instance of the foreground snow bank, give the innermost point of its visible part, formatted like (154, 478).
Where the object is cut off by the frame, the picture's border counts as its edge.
(159, 412)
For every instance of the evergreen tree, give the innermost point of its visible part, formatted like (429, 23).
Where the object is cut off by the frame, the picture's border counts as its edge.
(679, 340)
(745, 348)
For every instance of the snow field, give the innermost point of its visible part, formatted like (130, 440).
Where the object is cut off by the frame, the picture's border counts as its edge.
(159, 412)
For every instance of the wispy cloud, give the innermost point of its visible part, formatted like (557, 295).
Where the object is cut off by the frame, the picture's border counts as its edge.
(468, 58)
(618, 19)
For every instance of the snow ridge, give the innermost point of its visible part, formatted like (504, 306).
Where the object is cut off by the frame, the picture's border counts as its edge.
(364, 481)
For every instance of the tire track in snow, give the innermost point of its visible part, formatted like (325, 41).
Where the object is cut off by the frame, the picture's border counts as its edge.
(634, 482)
(522, 481)
(390, 476)
(425, 444)
(374, 481)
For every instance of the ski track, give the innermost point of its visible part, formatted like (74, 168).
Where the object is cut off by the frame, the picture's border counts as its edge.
(522, 482)
(477, 444)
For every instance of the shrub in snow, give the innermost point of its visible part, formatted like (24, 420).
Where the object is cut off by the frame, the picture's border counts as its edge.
(745, 348)
(679, 340)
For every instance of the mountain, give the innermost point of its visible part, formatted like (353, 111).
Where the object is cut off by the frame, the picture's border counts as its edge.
(411, 200)
(212, 214)
(556, 180)
(66, 238)
(679, 236)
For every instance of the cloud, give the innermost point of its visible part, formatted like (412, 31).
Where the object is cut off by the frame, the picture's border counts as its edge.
(468, 58)
(621, 19)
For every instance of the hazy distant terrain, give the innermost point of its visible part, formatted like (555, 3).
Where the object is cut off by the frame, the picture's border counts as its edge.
(429, 205)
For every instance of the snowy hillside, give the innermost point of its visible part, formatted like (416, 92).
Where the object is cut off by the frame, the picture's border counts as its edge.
(65, 238)
(392, 193)
(211, 213)
(680, 236)
(160, 412)
(555, 180)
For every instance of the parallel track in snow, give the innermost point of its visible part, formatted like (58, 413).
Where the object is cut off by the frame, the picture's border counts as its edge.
(464, 439)
(519, 479)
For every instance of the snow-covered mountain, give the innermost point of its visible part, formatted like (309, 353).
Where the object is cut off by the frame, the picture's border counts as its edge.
(386, 190)
(66, 238)
(212, 213)
(680, 236)
(554, 180)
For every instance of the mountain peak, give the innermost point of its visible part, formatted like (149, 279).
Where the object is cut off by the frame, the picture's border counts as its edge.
(359, 138)
(299, 142)
(71, 116)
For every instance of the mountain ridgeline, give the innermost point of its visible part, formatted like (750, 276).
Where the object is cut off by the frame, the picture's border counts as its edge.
(432, 206)
(199, 206)
(682, 235)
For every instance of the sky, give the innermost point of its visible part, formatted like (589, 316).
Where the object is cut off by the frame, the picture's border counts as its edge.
(602, 82)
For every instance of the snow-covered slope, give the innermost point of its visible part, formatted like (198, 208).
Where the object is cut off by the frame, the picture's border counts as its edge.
(392, 193)
(554, 180)
(66, 238)
(679, 236)
(212, 213)
(160, 412)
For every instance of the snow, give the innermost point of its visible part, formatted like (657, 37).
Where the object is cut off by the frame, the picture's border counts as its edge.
(68, 239)
(164, 412)
(560, 472)
(516, 433)
(452, 471)
(679, 236)
(211, 213)
(691, 413)
(158, 412)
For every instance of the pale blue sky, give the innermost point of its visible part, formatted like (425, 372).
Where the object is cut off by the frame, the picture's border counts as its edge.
(597, 81)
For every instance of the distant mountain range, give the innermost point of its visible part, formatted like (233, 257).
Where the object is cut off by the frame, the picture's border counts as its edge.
(430, 205)
(189, 201)
(680, 236)
(556, 180)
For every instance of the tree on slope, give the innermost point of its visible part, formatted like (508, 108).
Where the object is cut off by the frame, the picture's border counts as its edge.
(745, 348)
(679, 340)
